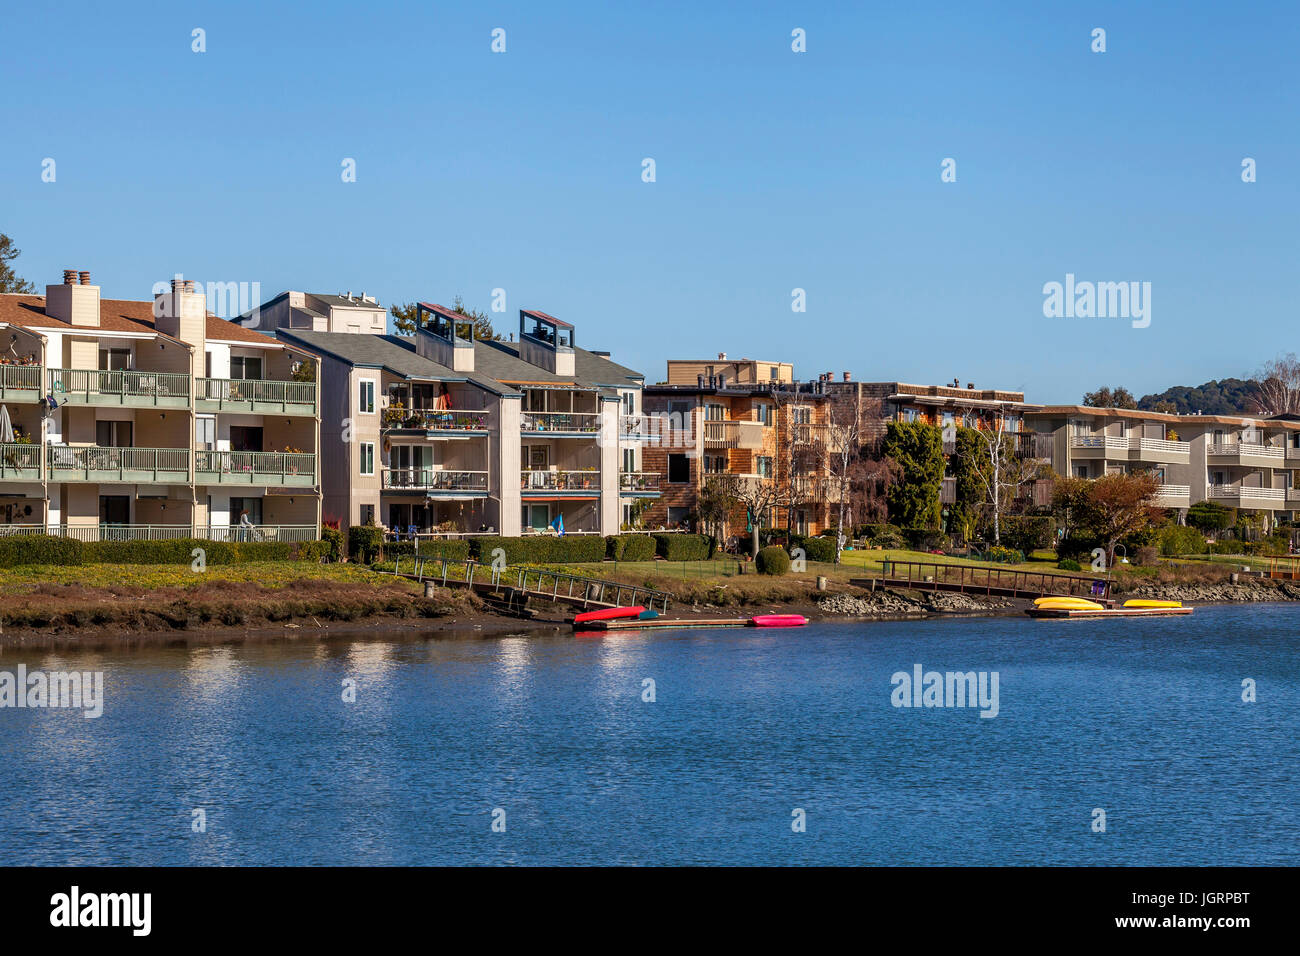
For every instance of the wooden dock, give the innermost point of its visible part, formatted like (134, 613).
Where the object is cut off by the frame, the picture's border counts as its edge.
(516, 586)
(991, 582)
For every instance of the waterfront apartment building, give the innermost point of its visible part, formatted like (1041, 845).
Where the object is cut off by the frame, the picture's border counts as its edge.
(746, 418)
(1243, 463)
(442, 433)
(124, 419)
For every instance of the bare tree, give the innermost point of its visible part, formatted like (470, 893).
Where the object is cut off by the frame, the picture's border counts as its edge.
(1279, 386)
(1000, 469)
(843, 440)
(759, 496)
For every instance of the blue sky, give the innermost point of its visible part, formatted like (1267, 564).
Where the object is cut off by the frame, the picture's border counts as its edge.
(775, 171)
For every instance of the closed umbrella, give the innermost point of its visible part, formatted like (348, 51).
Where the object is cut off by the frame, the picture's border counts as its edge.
(6, 426)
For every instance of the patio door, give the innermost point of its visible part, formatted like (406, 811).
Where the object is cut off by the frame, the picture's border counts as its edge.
(113, 434)
(245, 438)
(114, 509)
(537, 517)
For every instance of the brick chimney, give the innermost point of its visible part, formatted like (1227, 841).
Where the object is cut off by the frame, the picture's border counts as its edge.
(182, 313)
(75, 301)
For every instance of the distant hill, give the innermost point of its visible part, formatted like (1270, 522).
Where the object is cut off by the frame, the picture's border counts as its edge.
(1229, 396)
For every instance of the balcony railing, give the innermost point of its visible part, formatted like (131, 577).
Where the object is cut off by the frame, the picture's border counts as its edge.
(559, 480)
(296, 469)
(433, 479)
(1173, 491)
(19, 462)
(1247, 492)
(1105, 442)
(566, 422)
(733, 434)
(79, 386)
(644, 481)
(429, 420)
(20, 382)
(258, 396)
(100, 463)
(1244, 449)
(660, 428)
(1159, 446)
(166, 532)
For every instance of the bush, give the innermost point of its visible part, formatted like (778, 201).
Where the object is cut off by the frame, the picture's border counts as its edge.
(1068, 564)
(684, 547)
(816, 549)
(315, 551)
(1002, 555)
(773, 560)
(926, 539)
(181, 551)
(364, 542)
(539, 549)
(452, 550)
(21, 549)
(333, 538)
(630, 547)
(1175, 540)
(1028, 532)
(890, 538)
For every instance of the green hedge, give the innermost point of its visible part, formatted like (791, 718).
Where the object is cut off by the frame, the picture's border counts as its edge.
(772, 560)
(451, 549)
(816, 549)
(364, 542)
(630, 547)
(1180, 539)
(684, 547)
(540, 549)
(20, 550)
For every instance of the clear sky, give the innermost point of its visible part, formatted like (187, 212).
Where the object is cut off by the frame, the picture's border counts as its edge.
(775, 170)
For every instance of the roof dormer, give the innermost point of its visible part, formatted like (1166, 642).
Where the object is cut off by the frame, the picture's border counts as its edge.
(546, 342)
(444, 336)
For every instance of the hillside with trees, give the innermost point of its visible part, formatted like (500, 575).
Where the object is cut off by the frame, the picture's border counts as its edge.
(1228, 396)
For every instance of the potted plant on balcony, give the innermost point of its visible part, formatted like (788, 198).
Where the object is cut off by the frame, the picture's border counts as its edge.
(394, 416)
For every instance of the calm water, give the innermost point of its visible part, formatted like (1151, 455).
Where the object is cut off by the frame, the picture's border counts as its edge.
(1141, 718)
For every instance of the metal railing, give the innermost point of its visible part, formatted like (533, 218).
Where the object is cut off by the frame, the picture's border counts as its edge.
(430, 479)
(584, 422)
(1106, 442)
(535, 582)
(18, 461)
(559, 480)
(103, 463)
(105, 531)
(20, 378)
(972, 579)
(1244, 448)
(244, 393)
(253, 467)
(291, 533)
(639, 481)
(430, 420)
(119, 387)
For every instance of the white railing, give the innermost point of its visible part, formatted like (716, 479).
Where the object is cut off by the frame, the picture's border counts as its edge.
(430, 479)
(167, 532)
(1106, 442)
(559, 480)
(1243, 448)
(99, 462)
(430, 420)
(639, 481)
(1174, 491)
(291, 533)
(1161, 445)
(1246, 492)
(568, 422)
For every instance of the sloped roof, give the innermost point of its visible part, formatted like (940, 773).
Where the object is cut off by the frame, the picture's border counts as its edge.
(118, 315)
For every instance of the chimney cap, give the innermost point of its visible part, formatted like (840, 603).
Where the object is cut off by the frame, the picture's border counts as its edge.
(69, 276)
(722, 356)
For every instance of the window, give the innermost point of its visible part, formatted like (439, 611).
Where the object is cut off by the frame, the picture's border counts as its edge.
(244, 367)
(715, 464)
(772, 372)
(114, 359)
(629, 459)
(763, 413)
(801, 415)
(629, 403)
(367, 514)
(679, 469)
(678, 517)
(205, 432)
(909, 414)
(113, 434)
(714, 413)
(764, 463)
(367, 458)
(241, 506)
(366, 397)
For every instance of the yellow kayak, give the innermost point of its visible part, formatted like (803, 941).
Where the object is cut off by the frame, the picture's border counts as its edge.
(1153, 603)
(1066, 604)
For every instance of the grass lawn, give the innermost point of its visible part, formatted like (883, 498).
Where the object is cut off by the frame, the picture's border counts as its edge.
(269, 573)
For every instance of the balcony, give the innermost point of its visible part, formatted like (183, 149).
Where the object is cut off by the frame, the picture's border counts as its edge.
(255, 396)
(20, 462)
(564, 481)
(1250, 498)
(429, 423)
(20, 383)
(639, 483)
(1173, 496)
(732, 434)
(1247, 454)
(1131, 448)
(75, 386)
(436, 481)
(271, 468)
(560, 424)
(137, 465)
(1159, 450)
(167, 532)
(806, 433)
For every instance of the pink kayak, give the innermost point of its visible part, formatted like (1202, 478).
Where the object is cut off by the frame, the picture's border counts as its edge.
(608, 614)
(779, 620)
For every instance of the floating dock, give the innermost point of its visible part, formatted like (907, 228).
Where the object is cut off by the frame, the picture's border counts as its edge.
(1107, 611)
(634, 624)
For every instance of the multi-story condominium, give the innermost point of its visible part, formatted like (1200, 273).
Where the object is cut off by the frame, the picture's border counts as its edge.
(152, 419)
(1243, 463)
(440, 432)
(746, 418)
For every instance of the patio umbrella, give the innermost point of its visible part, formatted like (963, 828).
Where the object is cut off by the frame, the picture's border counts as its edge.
(6, 426)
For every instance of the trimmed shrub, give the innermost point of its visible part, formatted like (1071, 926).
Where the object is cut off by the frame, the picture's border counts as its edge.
(926, 539)
(630, 547)
(816, 549)
(21, 549)
(181, 551)
(1177, 539)
(773, 560)
(890, 538)
(315, 551)
(1028, 532)
(684, 547)
(540, 549)
(333, 538)
(1068, 564)
(453, 550)
(364, 542)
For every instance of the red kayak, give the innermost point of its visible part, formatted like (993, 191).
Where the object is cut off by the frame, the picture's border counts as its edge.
(779, 620)
(606, 614)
